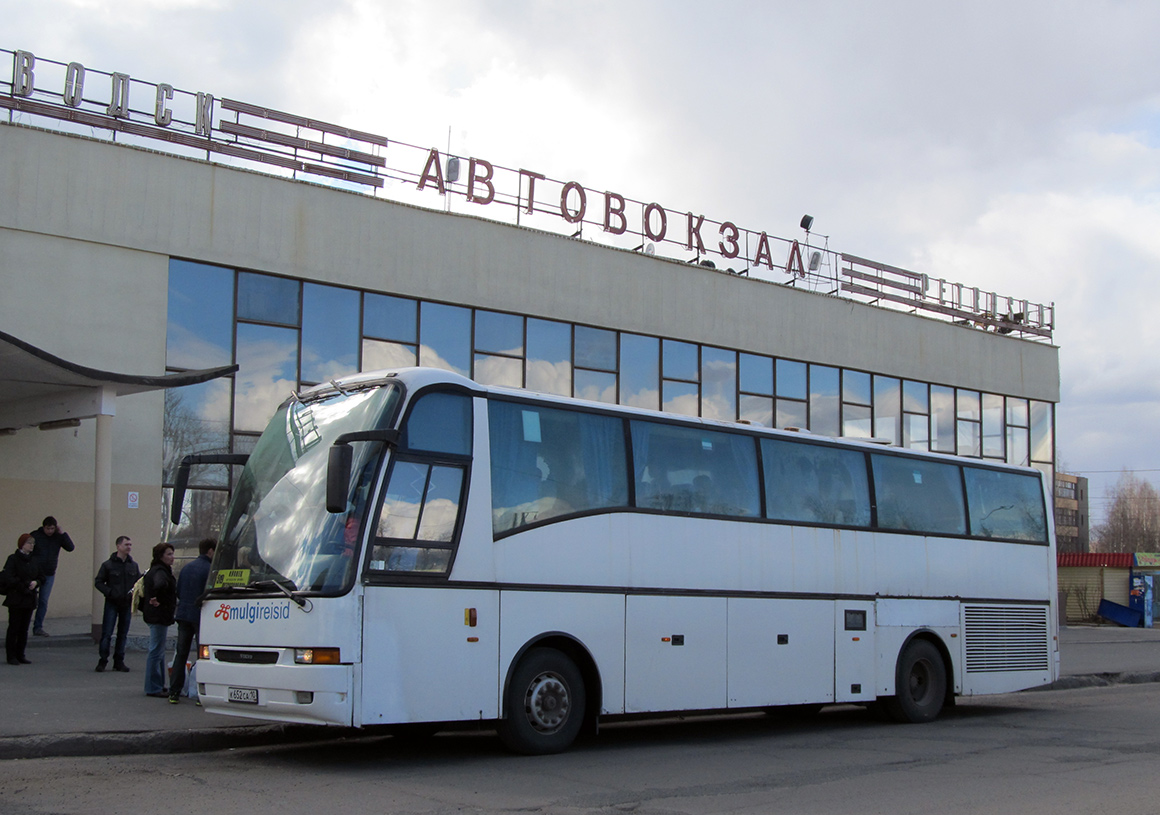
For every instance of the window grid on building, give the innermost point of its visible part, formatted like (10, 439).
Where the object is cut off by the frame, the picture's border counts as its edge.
(287, 334)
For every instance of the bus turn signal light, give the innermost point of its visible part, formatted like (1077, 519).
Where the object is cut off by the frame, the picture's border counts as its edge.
(203, 652)
(316, 656)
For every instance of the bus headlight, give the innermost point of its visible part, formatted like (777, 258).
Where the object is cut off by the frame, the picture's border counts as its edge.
(316, 656)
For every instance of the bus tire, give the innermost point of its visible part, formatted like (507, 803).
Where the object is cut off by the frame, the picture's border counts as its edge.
(545, 704)
(920, 684)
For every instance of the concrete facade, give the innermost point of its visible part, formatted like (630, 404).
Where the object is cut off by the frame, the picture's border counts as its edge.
(87, 228)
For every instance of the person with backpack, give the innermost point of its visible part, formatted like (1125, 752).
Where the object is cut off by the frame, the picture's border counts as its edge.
(158, 604)
(115, 580)
(190, 586)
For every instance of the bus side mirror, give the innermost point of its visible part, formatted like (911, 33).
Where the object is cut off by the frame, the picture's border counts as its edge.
(338, 477)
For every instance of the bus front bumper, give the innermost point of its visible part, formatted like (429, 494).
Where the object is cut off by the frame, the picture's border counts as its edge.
(302, 694)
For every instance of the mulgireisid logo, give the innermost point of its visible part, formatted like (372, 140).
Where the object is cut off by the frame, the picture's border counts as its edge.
(252, 612)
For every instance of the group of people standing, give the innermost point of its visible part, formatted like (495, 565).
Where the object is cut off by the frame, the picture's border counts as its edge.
(27, 578)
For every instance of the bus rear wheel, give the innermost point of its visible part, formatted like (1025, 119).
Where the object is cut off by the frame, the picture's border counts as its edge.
(920, 684)
(545, 704)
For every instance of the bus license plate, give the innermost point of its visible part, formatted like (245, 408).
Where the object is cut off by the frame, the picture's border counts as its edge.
(247, 696)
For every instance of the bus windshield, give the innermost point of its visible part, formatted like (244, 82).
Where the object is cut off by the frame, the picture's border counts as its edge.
(278, 535)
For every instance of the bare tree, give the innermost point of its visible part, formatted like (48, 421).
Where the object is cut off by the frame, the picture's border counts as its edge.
(185, 431)
(1133, 522)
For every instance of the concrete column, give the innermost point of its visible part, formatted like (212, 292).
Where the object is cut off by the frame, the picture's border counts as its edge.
(102, 497)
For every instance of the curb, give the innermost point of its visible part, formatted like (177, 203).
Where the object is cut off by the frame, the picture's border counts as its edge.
(63, 745)
(209, 739)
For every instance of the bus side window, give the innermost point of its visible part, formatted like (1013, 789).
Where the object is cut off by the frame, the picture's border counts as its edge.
(439, 423)
(549, 462)
(416, 526)
(919, 496)
(812, 483)
(1005, 505)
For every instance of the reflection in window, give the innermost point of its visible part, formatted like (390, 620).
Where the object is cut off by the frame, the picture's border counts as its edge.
(679, 361)
(446, 338)
(498, 333)
(547, 463)
(993, 426)
(814, 484)
(330, 340)
(549, 366)
(718, 384)
(1042, 444)
(942, 419)
(915, 396)
(1005, 505)
(680, 397)
(824, 401)
(199, 330)
(267, 373)
(856, 388)
(267, 299)
(887, 409)
(390, 318)
(757, 410)
(640, 371)
(439, 423)
(692, 469)
(791, 379)
(916, 495)
(378, 355)
(1018, 446)
(756, 374)
(421, 505)
(197, 420)
(507, 372)
(595, 348)
(791, 413)
(856, 421)
(596, 386)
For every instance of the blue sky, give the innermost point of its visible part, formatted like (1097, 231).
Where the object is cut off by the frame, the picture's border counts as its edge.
(1007, 145)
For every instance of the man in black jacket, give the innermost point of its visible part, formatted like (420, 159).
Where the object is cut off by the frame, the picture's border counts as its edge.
(50, 539)
(115, 580)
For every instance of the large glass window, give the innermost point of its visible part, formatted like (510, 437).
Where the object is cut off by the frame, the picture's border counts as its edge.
(719, 384)
(856, 415)
(695, 470)
(267, 299)
(942, 419)
(811, 483)
(993, 446)
(439, 423)
(549, 365)
(640, 371)
(445, 338)
(791, 410)
(200, 319)
(267, 373)
(330, 337)
(390, 318)
(824, 407)
(499, 349)
(1005, 505)
(917, 495)
(887, 409)
(548, 462)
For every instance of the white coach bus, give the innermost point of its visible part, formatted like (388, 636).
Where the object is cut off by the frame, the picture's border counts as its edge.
(411, 547)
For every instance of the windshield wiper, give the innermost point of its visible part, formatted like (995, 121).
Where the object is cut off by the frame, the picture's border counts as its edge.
(292, 594)
(262, 585)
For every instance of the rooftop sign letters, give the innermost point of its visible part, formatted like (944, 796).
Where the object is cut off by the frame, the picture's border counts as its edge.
(228, 131)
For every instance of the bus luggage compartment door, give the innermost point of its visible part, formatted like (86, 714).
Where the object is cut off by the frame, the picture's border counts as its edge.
(674, 653)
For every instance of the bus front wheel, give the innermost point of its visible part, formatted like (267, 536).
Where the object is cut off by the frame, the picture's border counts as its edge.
(545, 704)
(920, 684)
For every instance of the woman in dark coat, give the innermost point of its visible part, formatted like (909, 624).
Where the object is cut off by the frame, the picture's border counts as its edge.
(22, 577)
(159, 602)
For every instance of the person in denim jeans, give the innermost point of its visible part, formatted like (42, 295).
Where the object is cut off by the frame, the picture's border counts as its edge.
(115, 580)
(50, 539)
(190, 586)
(158, 605)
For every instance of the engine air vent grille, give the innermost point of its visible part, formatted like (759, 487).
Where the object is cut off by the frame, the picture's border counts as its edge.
(1006, 638)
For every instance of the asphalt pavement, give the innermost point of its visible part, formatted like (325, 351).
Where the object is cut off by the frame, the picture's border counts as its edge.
(59, 706)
